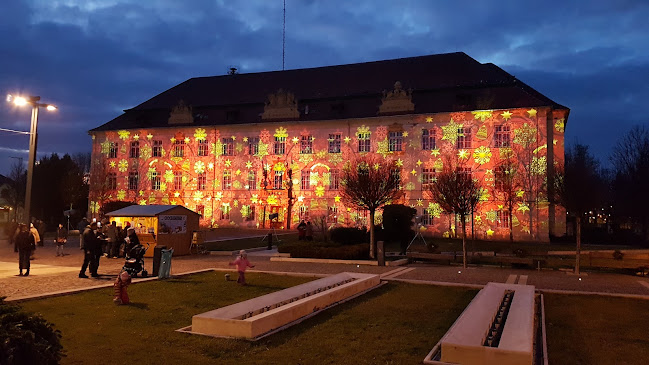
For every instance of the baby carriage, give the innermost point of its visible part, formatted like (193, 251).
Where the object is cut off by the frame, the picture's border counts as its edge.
(135, 260)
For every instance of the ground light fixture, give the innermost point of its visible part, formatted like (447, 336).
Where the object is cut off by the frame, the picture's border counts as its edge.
(20, 101)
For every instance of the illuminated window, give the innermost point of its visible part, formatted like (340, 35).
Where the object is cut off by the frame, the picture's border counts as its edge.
(501, 136)
(428, 139)
(112, 151)
(135, 149)
(334, 179)
(464, 138)
(277, 181)
(304, 213)
(179, 148)
(253, 145)
(228, 147)
(251, 213)
(306, 145)
(426, 217)
(203, 147)
(396, 141)
(178, 180)
(334, 143)
(201, 181)
(305, 179)
(227, 180)
(332, 214)
(503, 219)
(252, 179)
(363, 142)
(225, 211)
(427, 178)
(111, 181)
(133, 177)
(280, 145)
(155, 181)
(200, 209)
(157, 149)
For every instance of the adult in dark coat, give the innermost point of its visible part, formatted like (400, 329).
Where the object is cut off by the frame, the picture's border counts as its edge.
(112, 238)
(132, 241)
(91, 249)
(25, 243)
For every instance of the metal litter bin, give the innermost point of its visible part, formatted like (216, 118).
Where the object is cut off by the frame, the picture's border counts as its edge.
(165, 263)
(157, 254)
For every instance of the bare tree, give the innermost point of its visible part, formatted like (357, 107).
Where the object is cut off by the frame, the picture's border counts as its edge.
(456, 192)
(82, 159)
(369, 183)
(15, 193)
(508, 188)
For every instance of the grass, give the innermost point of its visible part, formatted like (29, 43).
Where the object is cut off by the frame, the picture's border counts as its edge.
(596, 330)
(379, 327)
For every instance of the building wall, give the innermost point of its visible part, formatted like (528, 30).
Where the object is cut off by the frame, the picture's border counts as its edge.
(229, 201)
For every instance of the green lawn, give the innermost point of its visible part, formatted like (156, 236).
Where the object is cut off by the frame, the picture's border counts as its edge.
(395, 324)
(597, 330)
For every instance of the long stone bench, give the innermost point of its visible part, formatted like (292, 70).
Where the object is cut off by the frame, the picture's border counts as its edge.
(468, 341)
(256, 317)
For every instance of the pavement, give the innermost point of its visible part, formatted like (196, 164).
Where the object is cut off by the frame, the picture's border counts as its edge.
(50, 273)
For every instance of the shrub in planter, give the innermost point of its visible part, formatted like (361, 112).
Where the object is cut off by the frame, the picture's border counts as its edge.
(348, 235)
(27, 338)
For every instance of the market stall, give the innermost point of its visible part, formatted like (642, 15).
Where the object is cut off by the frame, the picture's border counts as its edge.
(166, 225)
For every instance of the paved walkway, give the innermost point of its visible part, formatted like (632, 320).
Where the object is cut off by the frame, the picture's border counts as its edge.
(50, 273)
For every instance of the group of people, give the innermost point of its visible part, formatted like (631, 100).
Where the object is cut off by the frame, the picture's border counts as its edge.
(305, 231)
(25, 239)
(110, 241)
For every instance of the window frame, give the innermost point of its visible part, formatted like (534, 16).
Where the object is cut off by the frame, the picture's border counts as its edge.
(335, 142)
(364, 142)
(306, 145)
(395, 141)
(133, 180)
(428, 139)
(279, 147)
(157, 148)
(135, 150)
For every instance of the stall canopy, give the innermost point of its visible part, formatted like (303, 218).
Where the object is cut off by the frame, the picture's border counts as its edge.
(168, 225)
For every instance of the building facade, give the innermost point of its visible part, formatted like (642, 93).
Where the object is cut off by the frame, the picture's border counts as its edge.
(236, 148)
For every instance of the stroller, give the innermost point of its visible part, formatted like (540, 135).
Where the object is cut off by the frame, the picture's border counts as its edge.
(135, 260)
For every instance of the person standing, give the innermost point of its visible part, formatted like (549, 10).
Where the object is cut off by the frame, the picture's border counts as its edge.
(301, 231)
(25, 244)
(34, 232)
(309, 231)
(61, 239)
(82, 227)
(91, 244)
(111, 238)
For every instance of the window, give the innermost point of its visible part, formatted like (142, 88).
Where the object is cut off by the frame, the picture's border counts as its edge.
(200, 209)
(396, 141)
(253, 145)
(157, 148)
(396, 174)
(464, 138)
(334, 143)
(428, 139)
(179, 148)
(111, 181)
(225, 211)
(332, 214)
(501, 178)
(426, 217)
(277, 182)
(178, 180)
(334, 179)
(280, 145)
(306, 145)
(501, 136)
(252, 179)
(202, 147)
(503, 219)
(465, 171)
(227, 147)
(304, 213)
(155, 181)
(227, 180)
(201, 181)
(305, 179)
(363, 142)
(112, 151)
(251, 213)
(133, 178)
(427, 178)
(135, 149)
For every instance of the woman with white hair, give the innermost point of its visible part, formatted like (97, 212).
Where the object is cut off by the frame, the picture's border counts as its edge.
(242, 264)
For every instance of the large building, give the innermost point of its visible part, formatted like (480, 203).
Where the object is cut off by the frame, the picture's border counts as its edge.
(230, 146)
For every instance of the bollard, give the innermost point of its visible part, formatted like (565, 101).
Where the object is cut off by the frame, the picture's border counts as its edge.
(380, 253)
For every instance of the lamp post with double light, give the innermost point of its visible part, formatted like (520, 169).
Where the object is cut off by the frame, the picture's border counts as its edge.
(33, 136)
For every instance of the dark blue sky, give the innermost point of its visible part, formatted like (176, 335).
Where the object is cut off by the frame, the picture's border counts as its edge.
(94, 58)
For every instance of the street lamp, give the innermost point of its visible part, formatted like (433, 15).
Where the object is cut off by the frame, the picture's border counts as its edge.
(33, 135)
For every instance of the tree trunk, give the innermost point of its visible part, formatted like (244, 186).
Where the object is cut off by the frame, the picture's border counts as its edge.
(578, 253)
(511, 226)
(463, 242)
(372, 248)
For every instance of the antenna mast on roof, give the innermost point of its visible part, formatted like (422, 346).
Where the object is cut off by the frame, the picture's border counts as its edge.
(284, 36)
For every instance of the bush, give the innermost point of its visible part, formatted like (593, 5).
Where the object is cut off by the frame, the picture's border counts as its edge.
(348, 252)
(348, 235)
(27, 338)
(618, 255)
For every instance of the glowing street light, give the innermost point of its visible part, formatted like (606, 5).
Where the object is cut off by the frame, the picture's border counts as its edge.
(33, 135)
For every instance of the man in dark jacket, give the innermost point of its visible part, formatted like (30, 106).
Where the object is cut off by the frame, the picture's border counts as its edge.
(25, 244)
(112, 238)
(91, 248)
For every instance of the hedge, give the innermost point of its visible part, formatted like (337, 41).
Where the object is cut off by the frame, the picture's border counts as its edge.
(347, 252)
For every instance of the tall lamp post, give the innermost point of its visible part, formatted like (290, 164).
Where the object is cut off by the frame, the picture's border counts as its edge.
(33, 137)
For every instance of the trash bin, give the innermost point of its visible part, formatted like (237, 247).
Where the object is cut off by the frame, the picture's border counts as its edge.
(157, 252)
(165, 263)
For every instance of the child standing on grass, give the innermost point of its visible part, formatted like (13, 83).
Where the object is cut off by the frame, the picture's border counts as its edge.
(242, 264)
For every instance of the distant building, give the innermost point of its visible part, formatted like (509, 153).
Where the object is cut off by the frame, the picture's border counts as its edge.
(224, 146)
